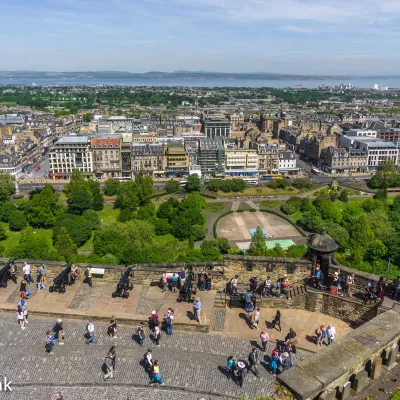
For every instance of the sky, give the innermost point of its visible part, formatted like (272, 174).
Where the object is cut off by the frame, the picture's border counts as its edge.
(334, 37)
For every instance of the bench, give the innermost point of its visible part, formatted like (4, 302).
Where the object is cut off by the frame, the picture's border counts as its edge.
(98, 272)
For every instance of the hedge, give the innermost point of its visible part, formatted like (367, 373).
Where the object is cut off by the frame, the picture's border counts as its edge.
(158, 195)
(285, 218)
(252, 210)
(209, 196)
(217, 220)
(239, 210)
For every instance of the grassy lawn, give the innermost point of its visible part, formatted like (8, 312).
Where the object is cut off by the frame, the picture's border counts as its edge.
(88, 246)
(359, 201)
(261, 191)
(215, 206)
(110, 198)
(296, 216)
(269, 203)
(13, 237)
(108, 214)
(62, 196)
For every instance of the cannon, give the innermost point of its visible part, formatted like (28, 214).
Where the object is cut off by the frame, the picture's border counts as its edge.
(186, 293)
(123, 285)
(5, 276)
(61, 281)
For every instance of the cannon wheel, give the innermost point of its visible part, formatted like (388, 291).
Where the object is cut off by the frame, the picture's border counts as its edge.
(114, 295)
(62, 290)
(4, 285)
(126, 295)
(131, 287)
(51, 289)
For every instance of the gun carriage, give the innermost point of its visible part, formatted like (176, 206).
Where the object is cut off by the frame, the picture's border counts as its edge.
(123, 286)
(61, 281)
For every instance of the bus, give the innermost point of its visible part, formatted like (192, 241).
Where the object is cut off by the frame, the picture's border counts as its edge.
(316, 171)
(271, 176)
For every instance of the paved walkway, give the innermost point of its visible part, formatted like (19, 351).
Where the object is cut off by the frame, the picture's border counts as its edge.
(190, 361)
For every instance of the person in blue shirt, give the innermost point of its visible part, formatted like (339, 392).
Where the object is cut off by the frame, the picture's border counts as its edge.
(49, 340)
(182, 277)
(231, 365)
(197, 309)
(249, 309)
(174, 282)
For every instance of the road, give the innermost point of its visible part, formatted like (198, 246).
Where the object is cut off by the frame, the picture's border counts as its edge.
(43, 171)
(193, 362)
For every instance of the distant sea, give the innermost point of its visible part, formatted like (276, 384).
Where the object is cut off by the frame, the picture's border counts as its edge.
(365, 83)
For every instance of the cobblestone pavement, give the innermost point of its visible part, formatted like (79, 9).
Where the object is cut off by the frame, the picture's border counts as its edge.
(218, 319)
(86, 297)
(190, 361)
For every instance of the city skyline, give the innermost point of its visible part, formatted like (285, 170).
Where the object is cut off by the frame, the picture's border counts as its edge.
(288, 37)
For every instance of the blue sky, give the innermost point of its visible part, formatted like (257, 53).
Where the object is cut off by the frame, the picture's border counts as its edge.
(285, 36)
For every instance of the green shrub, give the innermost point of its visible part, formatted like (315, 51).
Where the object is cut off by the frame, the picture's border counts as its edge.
(17, 220)
(252, 210)
(239, 210)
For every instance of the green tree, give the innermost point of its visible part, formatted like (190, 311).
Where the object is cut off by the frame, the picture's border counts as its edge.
(311, 221)
(144, 186)
(192, 201)
(79, 200)
(372, 204)
(379, 221)
(97, 197)
(172, 186)
(109, 259)
(338, 234)
(303, 183)
(223, 245)
(193, 183)
(376, 250)
(381, 194)
(258, 246)
(296, 251)
(124, 215)
(385, 174)
(329, 211)
(7, 187)
(92, 217)
(111, 187)
(87, 117)
(351, 214)
(361, 232)
(65, 245)
(6, 209)
(76, 181)
(17, 220)
(109, 240)
(292, 205)
(147, 212)
(3, 233)
(43, 209)
(127, 196)
(31, 245)
(344, 196)
(77, 227)
(210, 250)
(162, 226)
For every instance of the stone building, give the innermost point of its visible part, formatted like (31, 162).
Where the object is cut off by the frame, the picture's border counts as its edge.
(106, 156)
(266, 124)
(241, 163)
(292, 137)
(211, 157)
(214, 126)
(341, 160)
(176, 161)
(268, 158)
(287, 162)
(311, 146)
(147, 158)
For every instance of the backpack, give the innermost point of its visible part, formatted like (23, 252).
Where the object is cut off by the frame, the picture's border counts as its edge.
(158, 377)
(168, 320)
(243, 372)
(155, 321)
(86, 273)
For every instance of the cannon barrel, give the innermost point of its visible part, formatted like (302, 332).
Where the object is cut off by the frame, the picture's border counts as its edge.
(5, 275)
(123, 285)
(60, 281)
(186, 292)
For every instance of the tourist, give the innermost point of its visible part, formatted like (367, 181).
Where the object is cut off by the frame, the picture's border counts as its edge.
(169, 321)
(277, 289)
(88, 276)
(27, 273)
(234, 283)
(24, 292)
(290, 336)
(277, 320)
(331, 333)
(156, 374)
(59, 396)
(396, 284)
(13, 272)
(267, 287)
(39, 279)
(285, 287)
(154, 320)
(253, 284)
(157, 335)
(109, 362)
(182, 277)
(241, 372)
(380, 291)
(321, 335)
(141, 333)
(202, 281)
(248, 298)
(112, 327)
(174, 283)
(43, 273)
(249, 309)
(231, 365)
(59, 332)
(20, 317)
(197, 309)
(74, 273)
(164, 282)
(264, 337)
(148, 359)
(350, 280)
(49, 342)
(256, 318)
(318, 277)
(286, 361)
(90, 335)
(24, 307)
(274, 363)
(207, 276)
(253, 360)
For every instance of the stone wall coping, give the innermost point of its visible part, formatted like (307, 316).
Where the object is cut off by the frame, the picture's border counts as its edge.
(267, 259)
(345, 357)
(146, 267)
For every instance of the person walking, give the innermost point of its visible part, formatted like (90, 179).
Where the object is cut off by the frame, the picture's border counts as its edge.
(197, 309)
(350, 281)
(202, 281)
(141, 333)
(112, 327)
(277, 320)
(241, 372)
(43, 276)
(90, 334)
(264, 337)
(24, 307)
(157, 335)
(253, 284)
(39, 279)
(169, 318)
(253, 360)
(290, 336)
(59, 332)
(13, 272)
(148, 361)
(164, 282)
(208, 281)
(256, 318)
(273, 365)
(331, 333)
(27, 273)
(156, 374)
(20, 317)
(88, 276)
(74, 273)
(154, 320)
(182, 277)
(109, 362)
(231, 365)
(49, 342)
(174, 283)
(59, 396)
